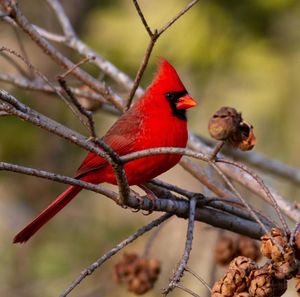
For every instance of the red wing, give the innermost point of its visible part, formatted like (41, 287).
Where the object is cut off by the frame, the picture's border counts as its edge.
(121, 137)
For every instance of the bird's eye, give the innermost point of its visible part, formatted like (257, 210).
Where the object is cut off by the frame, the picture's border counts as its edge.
(170, 96)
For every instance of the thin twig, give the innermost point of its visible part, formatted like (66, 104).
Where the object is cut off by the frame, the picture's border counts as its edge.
(263, 186)
(198, 277)
(153, 38)
(87, 114)
(62, 18)
(88, 271)
(38, 85)
(196, 171)
(187, 290)
(176, 17)
(187, 250)
(22, 49)
(142, 18)
(236, 192)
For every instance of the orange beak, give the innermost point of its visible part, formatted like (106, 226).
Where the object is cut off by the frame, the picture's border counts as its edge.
(185, 102)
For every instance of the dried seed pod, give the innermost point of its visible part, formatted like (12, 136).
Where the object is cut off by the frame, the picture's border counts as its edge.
(225, 249)
(140, 274)
(234, 281)
(243, 263)
(287, 268)
(271, 248)
(263, 284)
(224, 123)
(248, 139)
(248, 248)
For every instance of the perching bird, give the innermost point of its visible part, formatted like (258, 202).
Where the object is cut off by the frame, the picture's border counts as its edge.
(157, 119)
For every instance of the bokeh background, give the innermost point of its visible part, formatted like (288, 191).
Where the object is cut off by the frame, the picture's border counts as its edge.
(244, 54)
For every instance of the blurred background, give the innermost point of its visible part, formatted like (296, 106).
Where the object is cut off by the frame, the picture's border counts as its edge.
(244, 54)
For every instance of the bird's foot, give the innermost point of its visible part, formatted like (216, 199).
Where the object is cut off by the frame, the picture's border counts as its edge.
(140, 200)
(151, 196)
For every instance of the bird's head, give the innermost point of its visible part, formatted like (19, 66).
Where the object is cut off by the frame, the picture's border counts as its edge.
(167, 87)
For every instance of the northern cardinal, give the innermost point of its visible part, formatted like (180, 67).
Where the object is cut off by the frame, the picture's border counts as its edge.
(157, 119)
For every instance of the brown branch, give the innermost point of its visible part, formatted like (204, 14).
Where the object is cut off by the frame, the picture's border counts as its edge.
(88, 271)
(187, 250)
(173, 205)
(138, 9)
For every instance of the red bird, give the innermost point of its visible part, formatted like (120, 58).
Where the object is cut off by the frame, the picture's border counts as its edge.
(157, 119)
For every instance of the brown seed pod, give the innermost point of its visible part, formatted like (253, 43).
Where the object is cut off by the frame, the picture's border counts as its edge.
(225, 249)
(243, 263)
(224, 123)
(263, 284)
(248, 139)
(138, 273)
(287, 268)
(271, 248)
(234, 281)
(248, 247)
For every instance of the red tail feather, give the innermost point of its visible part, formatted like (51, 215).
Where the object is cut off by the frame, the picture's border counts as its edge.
(60, 202)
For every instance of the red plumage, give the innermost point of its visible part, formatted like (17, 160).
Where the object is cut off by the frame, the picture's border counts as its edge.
(157, 119)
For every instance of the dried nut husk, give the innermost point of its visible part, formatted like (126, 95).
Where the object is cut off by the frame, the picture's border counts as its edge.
(263, 284)
(243, 263)
(234, 281)
(271, 248)
(224, 123)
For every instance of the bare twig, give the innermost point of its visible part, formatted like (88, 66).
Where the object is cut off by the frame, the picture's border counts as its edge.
(138, 9)
(62, 18)
(235, 191)
(117, 248)
(38, 85)
(196, 171)
(176, 17)
(153, 38)
(187, 250)
(198, 277)
(175, 205)
(216, 150)
(187, 290)
(264, 188)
